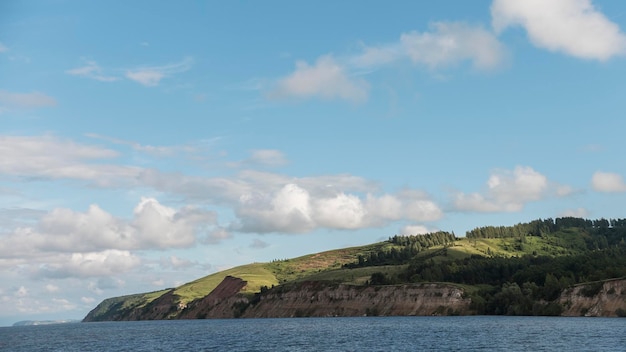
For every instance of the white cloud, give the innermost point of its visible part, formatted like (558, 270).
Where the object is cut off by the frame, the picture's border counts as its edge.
(416, 230)
(507, 191)
(287, 210)
(608, 182)
(326, 79)
(573, 27)
(154, 226)
(343, 211)
(90, 264)
(51, 157)
(151, 76)
(26, 100)
(91, 70)
(261, 201)
(3, 48)
(268, 202)
(296, 209)
(448, 43)
(158, 226)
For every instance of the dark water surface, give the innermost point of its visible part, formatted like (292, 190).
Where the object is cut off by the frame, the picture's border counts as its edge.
(473, 333)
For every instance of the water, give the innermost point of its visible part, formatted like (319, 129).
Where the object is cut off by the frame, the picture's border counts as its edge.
(480, 333)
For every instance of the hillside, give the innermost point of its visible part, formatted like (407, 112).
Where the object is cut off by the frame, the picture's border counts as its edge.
(521, 269)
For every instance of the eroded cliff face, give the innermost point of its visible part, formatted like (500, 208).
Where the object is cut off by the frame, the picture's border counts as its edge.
(223, 302)
(323, 299)
(318, 299)
(602, 299)
(314, 299)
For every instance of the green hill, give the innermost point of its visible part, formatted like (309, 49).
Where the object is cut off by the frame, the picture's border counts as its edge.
(541, 258)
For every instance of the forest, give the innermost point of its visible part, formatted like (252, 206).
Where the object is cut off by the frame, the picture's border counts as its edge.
(590, 251)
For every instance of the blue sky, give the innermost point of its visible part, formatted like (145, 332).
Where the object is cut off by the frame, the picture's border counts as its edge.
(143, 144)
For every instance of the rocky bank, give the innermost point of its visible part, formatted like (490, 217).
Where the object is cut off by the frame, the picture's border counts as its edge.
(599, 299)
(323, 299)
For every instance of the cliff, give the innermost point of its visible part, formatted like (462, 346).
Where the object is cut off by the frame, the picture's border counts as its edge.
(311, 299)
(222, 302)
(323, 299)
(599, 299)
(314, 299)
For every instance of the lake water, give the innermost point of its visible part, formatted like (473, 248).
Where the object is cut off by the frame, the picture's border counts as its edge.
(474, 333)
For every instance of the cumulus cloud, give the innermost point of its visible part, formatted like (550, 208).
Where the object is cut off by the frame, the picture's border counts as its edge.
(153, 226)
(151, 76)
(26, 100)
(608, 182)
(91, 264)
(343, 211)
(326, 79)
(261, 201)
(573, 27)
(508, 191)
(93, 71)
(295, 209)
(269, 202)
(446, 44)
(287, 210)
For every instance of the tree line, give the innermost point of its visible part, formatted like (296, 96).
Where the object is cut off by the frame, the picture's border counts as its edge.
(526, 285)
(543, 227)
(404, 249)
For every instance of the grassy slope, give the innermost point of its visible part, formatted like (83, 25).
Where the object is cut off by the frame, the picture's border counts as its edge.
(276, 272)
(327, 266)
(126, 302)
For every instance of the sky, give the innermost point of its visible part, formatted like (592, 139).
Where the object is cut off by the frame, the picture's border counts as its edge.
(146, 144)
